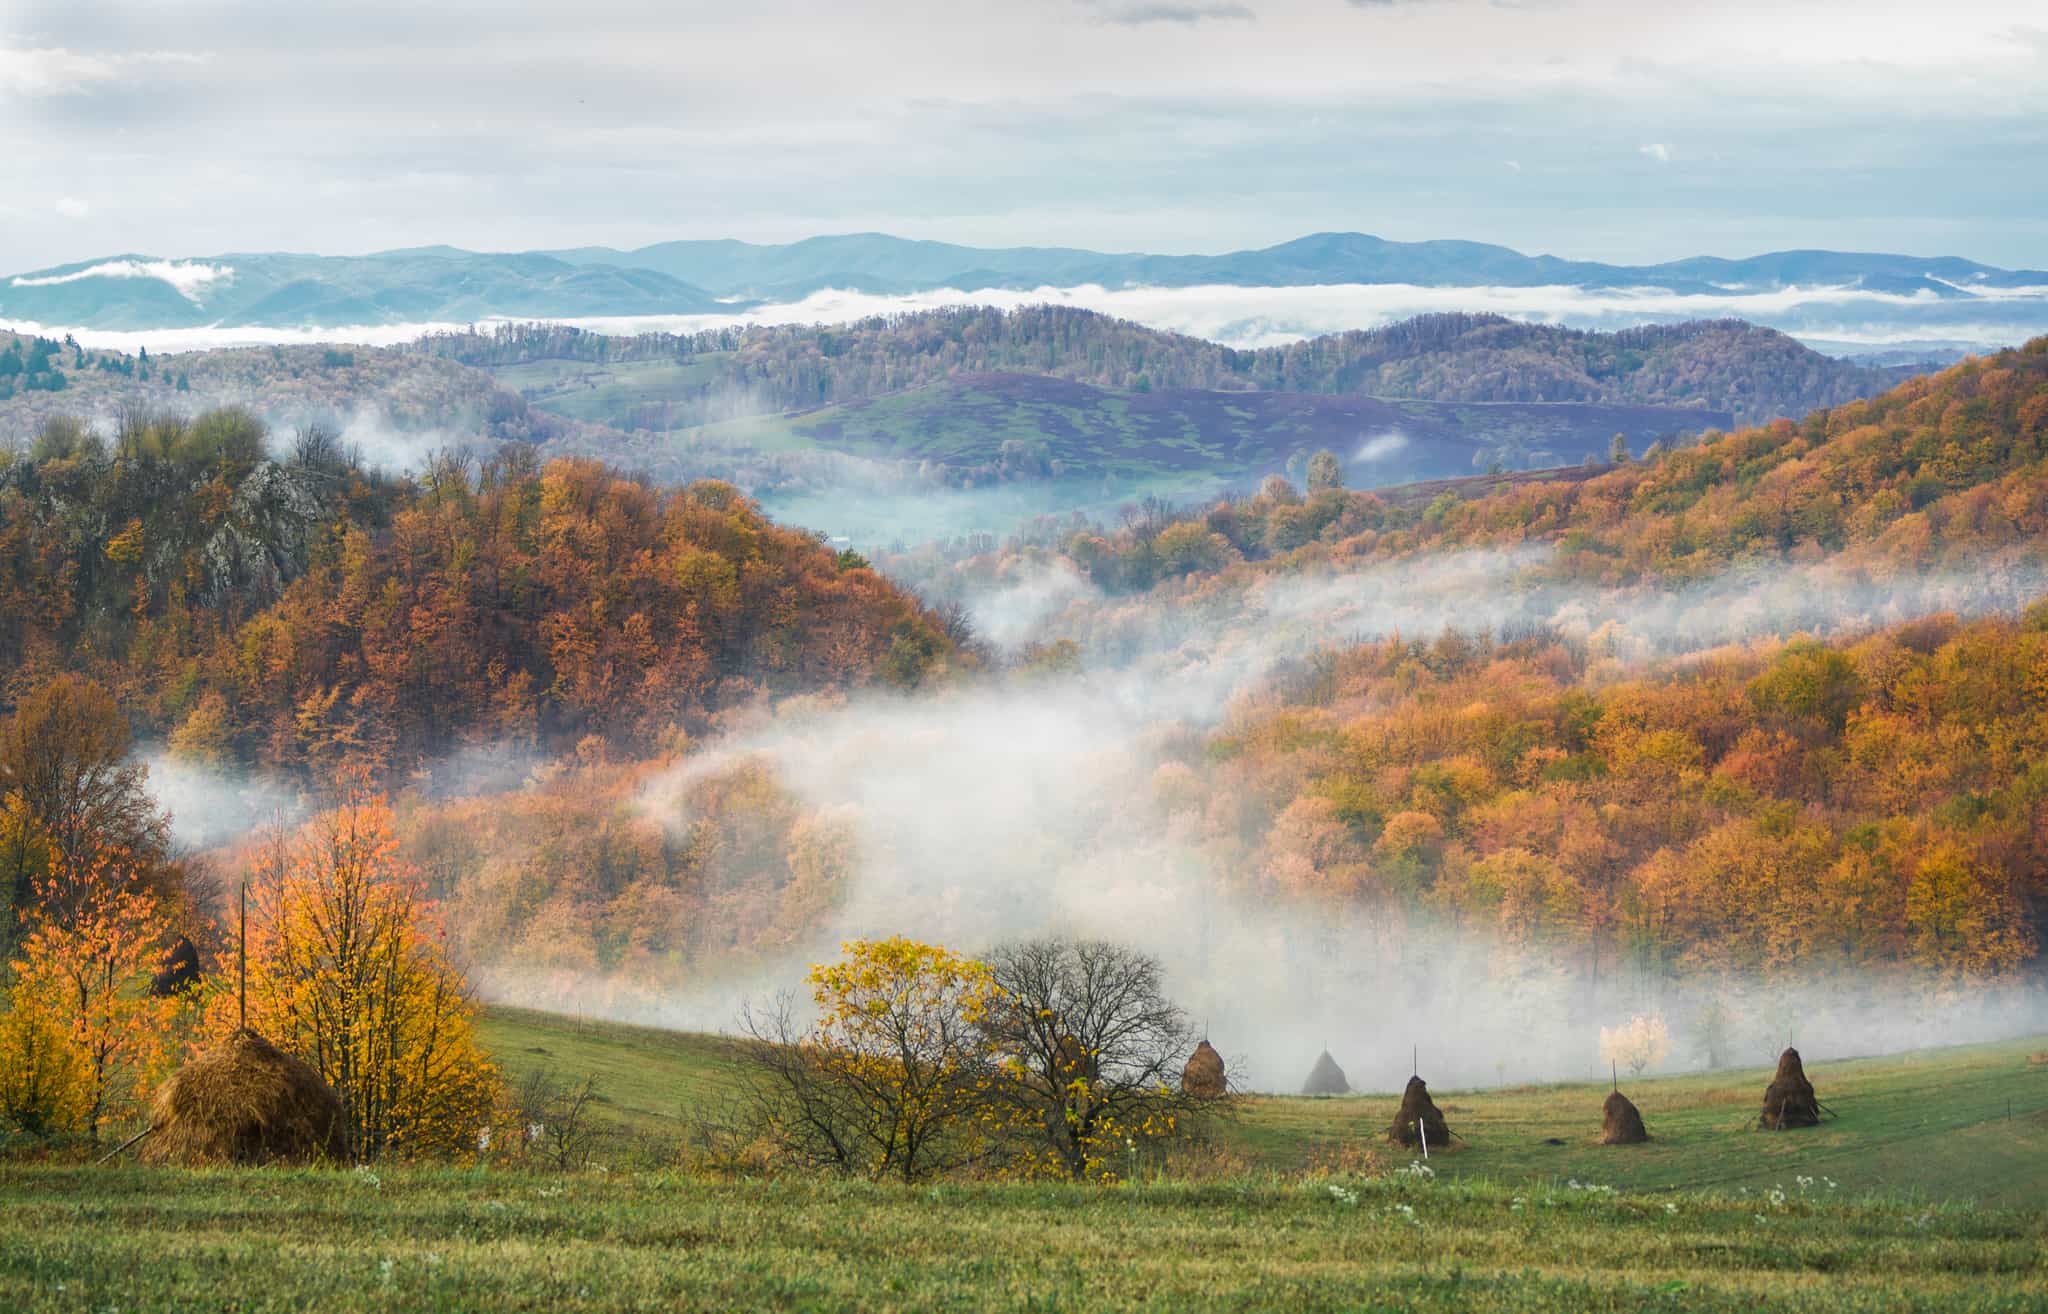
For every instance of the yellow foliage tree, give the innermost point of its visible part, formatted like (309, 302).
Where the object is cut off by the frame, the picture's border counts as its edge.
(1965, 919)
(892, 1079)
(43, 1086)
(348, 970)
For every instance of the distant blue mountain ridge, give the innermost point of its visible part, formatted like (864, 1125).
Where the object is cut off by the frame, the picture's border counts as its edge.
(448, 285)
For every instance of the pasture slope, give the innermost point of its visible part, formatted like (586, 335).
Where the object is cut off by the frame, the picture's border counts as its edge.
(1924, 1195)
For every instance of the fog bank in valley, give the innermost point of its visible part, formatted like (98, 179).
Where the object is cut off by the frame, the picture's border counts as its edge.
(1046, 804)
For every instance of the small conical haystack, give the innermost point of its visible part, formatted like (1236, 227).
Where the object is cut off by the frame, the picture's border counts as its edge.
(1789, 1100)
(177, 971)
(1203, 1077)
(1418, 1115)
(1620, 1123)
(1326, 1078)
(245, 1101)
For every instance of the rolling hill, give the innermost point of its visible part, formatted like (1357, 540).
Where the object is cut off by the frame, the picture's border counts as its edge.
(433, 285)
(877, 262)
(444, 284)
(666, 381)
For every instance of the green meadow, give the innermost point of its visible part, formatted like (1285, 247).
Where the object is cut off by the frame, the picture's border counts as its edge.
(1926, 1192)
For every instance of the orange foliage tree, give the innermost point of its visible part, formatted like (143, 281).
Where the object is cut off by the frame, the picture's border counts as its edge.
(348, 969)
(85, 967)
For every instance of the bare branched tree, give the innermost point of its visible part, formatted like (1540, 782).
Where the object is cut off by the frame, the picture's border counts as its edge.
(791, 1092)
(317, 445)
(559, 1119)
(1091, 1046)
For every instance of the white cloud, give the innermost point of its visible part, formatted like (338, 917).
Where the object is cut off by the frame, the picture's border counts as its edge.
(70, 207)
(1657, 151)
(190, 277)
(63, 72)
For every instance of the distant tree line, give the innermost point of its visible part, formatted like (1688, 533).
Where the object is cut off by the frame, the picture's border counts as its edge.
(1755, 373)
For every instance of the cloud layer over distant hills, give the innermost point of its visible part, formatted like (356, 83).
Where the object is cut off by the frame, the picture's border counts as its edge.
(1844, 319)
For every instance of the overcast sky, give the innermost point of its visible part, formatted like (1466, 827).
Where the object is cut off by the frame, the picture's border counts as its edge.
(1615, 129)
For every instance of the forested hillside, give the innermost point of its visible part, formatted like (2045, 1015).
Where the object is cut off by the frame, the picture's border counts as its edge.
(1880, 803)
(301, 612)
(992, 428)
(398, 395)
(1603, 795)
(1937, 472)
(1290, 701)
(1754, 373)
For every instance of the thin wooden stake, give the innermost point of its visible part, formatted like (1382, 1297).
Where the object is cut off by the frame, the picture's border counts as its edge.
(242, 957)
(1422, 1130)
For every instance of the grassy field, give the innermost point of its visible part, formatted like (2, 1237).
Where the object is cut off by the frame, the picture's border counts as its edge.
(1962, 1124)
(134, 1240)
(1923, 1195)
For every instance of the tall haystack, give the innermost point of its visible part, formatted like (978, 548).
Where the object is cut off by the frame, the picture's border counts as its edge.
(1325, 1078)
(1789, 1100)
(246, 1102)
(1203, 1077)
(1620, 1123)
(1418, 1115)
(178, 971)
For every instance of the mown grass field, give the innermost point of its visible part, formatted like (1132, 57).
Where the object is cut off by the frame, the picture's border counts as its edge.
(135, 1240)
(1923, 1195)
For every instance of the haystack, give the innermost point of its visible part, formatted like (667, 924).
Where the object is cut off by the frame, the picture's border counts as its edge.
(1325, 1078)
(178, 971)
(1419, 1111)
(1620, 1123)
(245, 1102)
(1789, 1100)
(1203, 1077)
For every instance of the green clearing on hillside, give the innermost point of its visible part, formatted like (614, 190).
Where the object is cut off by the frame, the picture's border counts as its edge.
(610, 392)
(1930, 1125)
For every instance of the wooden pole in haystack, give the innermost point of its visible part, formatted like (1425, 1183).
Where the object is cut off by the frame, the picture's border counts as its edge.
(125, 1144)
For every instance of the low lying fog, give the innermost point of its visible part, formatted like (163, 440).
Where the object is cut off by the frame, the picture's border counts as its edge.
(1038, 805)
(1244, 317)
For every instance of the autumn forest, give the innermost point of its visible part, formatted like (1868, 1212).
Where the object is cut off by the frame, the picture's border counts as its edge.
(549, 728)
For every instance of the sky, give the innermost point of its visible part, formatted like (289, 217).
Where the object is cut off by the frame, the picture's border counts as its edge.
(1597, 129)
